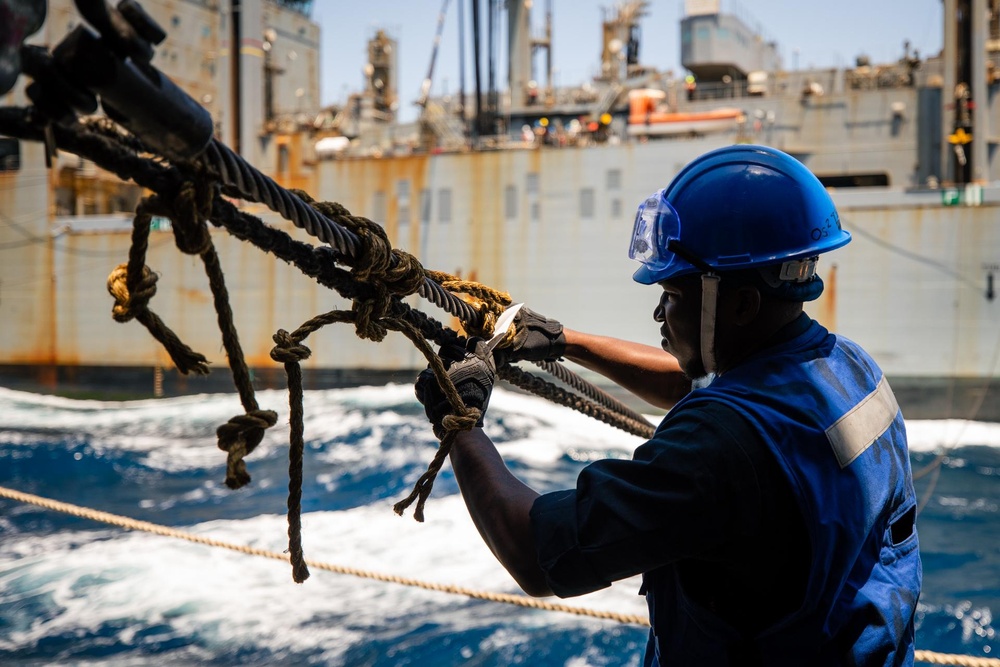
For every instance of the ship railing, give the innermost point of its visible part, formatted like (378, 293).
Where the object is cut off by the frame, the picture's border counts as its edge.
(718, 91)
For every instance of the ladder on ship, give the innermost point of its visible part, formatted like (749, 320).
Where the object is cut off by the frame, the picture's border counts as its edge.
(447, 128)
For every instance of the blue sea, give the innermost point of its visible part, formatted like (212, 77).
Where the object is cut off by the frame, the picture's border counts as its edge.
(76, 592)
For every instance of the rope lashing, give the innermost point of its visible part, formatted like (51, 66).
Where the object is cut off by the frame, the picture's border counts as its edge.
(289, 350)
(573, 380)
(388, 271)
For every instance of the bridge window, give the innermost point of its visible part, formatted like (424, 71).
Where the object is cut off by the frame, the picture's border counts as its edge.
(614, 179)
(444, 205)
(403, 200)
(425, 206)
(531, 183)
(510, 202)
(378, 207)
(587, 203)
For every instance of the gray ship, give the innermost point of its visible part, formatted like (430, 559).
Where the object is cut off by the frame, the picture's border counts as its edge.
(530, 189)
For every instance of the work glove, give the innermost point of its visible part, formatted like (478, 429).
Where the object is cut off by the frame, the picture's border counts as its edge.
(536, 338)
(472, 374)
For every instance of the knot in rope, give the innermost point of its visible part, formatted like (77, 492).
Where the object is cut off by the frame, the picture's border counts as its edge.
(239, 437)
(386, 271)
(375, 256)
(368, 314)
(465, 420)
(129, 303)
(189, 210)
(377, 260)
(287, 349)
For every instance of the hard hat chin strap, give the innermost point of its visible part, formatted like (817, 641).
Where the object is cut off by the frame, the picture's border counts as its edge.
(709, 301)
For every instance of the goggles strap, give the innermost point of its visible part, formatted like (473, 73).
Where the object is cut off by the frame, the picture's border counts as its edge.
(709, 300)
(681, 251)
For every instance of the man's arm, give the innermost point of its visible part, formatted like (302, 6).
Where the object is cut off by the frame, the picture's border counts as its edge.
(499, 504)
(648, 372)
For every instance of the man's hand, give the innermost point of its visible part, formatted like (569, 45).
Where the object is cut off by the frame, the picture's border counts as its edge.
(473, 378)
(536, 338)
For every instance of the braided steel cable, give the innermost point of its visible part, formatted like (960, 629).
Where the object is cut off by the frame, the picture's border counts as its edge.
(536, 385)
(591, 391)
(255, 186)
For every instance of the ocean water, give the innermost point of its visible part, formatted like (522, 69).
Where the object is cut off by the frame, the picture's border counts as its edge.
(76, 592)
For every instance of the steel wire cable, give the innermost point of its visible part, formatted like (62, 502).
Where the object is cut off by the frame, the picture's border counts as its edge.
(590, 390)
(256, 186)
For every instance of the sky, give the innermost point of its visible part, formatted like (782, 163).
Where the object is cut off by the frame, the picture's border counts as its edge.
(808, 33)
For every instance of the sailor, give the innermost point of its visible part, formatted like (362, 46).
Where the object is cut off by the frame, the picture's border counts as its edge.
(772, 513)
(690, 86)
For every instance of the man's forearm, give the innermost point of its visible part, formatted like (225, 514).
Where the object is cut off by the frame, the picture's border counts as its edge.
(648, 372)
(500, 506)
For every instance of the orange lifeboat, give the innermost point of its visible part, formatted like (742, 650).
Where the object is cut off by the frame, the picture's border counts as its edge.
(648, 117)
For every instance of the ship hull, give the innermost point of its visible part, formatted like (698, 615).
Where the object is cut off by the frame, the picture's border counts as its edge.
(548, 226)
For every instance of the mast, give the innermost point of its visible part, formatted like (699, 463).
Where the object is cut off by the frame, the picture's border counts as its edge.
(235, 75)
(461, 62)
(966, 25)
(478, 125)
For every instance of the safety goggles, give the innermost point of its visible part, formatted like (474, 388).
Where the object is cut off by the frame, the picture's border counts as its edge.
(656, 222)
(656, 225)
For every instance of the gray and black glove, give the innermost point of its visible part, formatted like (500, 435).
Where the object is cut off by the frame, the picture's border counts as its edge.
(536, 338)
(473, 377)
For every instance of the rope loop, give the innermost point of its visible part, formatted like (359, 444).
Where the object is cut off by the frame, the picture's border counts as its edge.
(128, 304)
(239, 437)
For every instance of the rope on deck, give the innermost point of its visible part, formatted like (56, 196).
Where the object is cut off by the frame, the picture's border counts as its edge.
(506, 598)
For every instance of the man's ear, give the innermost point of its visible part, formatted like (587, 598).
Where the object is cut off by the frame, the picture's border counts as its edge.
(747, 305)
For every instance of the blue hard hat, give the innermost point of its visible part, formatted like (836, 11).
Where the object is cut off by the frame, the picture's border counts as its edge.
(734, 208)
